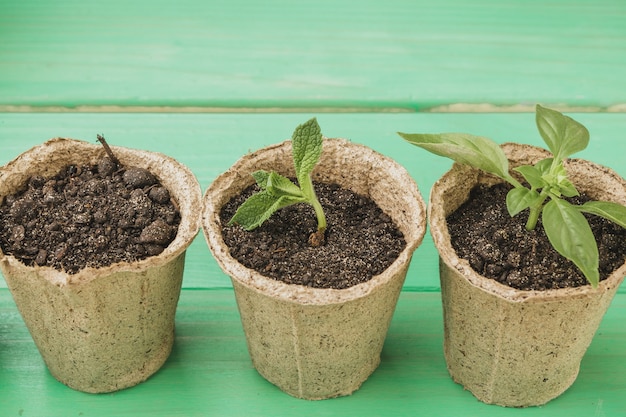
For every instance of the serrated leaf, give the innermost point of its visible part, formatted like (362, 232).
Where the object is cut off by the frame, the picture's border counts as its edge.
(571, 236)
(260, 207)
(307, 148)
(611, 211)
(261, 177)
(563, 135)
(476, 151)
(279, 186)
(532, 175)
(254, 211)
(519, 199)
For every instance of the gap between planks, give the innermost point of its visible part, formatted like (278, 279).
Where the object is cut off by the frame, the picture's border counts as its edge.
(446, 108)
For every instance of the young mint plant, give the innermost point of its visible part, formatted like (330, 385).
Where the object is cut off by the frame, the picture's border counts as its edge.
(566, 228)
(278, 191)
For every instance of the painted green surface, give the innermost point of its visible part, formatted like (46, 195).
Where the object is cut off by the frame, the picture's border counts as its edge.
(210, 143)
(210, 374)
(328, 57)
(374, 54)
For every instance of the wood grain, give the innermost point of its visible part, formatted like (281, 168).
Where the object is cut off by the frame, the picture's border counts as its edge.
(210, 373)
(399, 55)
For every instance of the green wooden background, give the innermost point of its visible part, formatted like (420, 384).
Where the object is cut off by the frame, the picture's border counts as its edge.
(400, 54)
(207, 81)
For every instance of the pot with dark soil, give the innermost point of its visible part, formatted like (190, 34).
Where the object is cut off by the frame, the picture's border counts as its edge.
(93, 243)
(526, 276)
(318, 272)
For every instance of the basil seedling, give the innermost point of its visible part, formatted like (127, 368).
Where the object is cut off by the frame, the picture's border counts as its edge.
(567, 229)
(278, 191)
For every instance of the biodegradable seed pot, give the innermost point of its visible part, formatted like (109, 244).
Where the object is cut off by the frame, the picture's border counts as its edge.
(511, 347)
(317, 343)
(107, 328)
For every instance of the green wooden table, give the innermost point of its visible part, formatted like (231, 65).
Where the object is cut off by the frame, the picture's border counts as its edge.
(205, 82)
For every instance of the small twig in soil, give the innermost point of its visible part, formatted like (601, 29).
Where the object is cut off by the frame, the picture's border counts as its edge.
(108, 150)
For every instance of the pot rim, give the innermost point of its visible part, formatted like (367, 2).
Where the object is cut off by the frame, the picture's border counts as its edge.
(441, 238)
(293, 292)
(73, 151)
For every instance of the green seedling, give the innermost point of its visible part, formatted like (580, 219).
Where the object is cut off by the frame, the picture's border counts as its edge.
(278, 191)
(567, 229)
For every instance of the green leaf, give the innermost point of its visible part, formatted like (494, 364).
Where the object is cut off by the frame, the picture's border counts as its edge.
(260, 207)
(261, 178)
(561, 182)
(475, 151)
(544, 165)
(532, 175)
(570, 234)
(567, 188)
(279, 186)
(519, 199)
(307, 148)
(563, 135)
(611, 211)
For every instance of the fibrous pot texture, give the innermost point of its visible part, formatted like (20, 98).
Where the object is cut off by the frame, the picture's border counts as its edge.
(319, 343)
(510, 347)
(102, 329)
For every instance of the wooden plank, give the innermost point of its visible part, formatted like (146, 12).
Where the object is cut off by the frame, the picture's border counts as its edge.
(210, 143)
(210, 373)
(397, 54)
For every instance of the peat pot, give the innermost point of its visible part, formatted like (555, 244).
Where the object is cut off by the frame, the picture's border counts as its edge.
(102, 329)
(510, 347)
(319, 343)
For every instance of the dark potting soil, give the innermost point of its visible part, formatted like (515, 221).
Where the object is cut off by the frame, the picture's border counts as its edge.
(361, 240)
(88, 216)
(499, 247)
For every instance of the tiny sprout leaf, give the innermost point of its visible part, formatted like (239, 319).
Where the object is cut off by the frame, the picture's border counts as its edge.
(519, 199)
(475, 151)
(261, 178)
(611, 211)
(571, 236)
(568, 189)
(532, 175)
(563, 135)
(544, 165)
(559, 183)
(279, 186)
